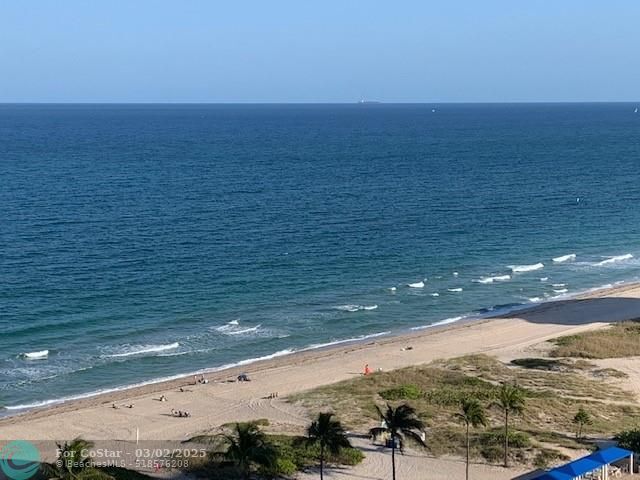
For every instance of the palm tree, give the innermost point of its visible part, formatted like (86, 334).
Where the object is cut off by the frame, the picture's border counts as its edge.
(472, 414)
(73, 463)
(510, 400)
(581, 419)
(330, 434)
(399, 423)
(248, 446)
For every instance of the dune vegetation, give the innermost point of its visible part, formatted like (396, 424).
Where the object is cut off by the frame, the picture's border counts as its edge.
(617, 341)
(554, 392)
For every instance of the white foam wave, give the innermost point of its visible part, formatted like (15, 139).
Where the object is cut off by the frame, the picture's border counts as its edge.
(535, 299)
(544, 279)
(526, 268)
(280, 353)
(565, 258)
(435, 294)
(454, 290)
(144, 349)
(233, 328)
(446, 321)
(615, 259)
(348, 340)
(55, 401)
(392, 289)
(497, 278)
(416, 285)
(356, 308)
(558, 285)
(36, 355)
(243, 330)
(560, 290)
(455, 274)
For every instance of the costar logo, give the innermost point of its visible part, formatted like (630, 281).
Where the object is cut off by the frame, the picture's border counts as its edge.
(19, 460)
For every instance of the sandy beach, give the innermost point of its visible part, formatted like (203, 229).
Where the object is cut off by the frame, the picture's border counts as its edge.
(223, 400)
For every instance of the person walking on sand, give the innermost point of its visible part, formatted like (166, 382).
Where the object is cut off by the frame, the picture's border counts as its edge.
(367, 370)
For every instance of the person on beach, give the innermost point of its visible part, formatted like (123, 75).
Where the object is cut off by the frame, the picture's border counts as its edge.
(367, 370)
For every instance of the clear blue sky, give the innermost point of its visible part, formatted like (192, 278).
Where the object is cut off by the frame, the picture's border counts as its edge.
(319, 51)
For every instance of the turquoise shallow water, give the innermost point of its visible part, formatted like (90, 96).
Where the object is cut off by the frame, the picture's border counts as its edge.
(142, 242)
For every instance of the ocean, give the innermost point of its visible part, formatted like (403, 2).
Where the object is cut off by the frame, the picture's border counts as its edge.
(140, 242)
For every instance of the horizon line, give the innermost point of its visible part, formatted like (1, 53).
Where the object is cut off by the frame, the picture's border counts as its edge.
(358, 102)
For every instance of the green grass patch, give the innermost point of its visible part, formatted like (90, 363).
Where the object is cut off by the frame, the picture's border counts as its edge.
(619, 340)
(403, 392)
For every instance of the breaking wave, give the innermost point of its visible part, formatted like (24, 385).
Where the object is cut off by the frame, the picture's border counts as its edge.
(356, 308)
(615, 259)
(565, 258)
(233, 328)
(36, 355)
(526, 268)
(144, 349)
(446, 321)
(497, 278)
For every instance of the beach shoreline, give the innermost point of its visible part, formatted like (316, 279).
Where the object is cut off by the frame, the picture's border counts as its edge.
(157, 384)
(308, 369)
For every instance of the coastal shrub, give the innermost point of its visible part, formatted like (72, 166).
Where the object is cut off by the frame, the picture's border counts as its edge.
(260, 422)
(282, 466)
(547, 457)
(349, 456)
(496, 437)
(629, 439)
(293, 454)
(124, 474)
(403, 392)
(451, 396)
(297, 451)
(538, 363)
(492, 453)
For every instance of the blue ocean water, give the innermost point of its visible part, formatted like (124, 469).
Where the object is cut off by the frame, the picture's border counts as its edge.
(139, 242)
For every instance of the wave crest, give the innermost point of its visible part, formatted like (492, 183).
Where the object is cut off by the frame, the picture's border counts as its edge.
(144, 349)
(496, 278)
(233, 328)
(356, 308)
(36, 355)
(564, 258)
(526, 268)
(615, 259)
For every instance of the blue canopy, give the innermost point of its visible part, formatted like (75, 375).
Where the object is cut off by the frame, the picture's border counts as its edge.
(586, 464)
(610, 455)
(580, 466)
(551, 475)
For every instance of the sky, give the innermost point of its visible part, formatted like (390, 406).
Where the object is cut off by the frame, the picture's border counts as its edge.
(319, 51)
